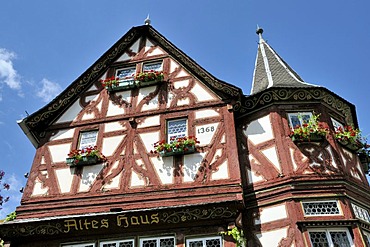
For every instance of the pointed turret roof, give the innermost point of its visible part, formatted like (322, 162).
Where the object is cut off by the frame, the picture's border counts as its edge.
(272, 71)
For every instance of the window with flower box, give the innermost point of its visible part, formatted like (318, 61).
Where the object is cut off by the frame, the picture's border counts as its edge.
(298, 118)
(176, 128)
(155, 66)
(126, 76)
(336, 124)
(158, 242)
(331, 237)
(87, 139)
(204, 242)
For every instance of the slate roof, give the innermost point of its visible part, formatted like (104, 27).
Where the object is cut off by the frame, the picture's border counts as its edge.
(272, 71)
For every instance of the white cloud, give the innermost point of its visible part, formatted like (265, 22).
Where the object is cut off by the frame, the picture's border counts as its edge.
(8, 74)
(48, 90)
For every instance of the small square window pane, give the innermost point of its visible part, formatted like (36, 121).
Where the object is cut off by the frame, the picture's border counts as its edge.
(198, 243)
(153, 66)
(88, 138)
(336, 124)
(298, 118)
(167, 242)
(149, 243)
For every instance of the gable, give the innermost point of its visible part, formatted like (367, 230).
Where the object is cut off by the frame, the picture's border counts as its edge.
(139, 43)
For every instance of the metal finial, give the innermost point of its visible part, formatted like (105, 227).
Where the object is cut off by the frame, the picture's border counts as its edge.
(147, 21)
(259, 30)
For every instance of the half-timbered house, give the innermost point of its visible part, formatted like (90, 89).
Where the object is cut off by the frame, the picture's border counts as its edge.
(146, 148)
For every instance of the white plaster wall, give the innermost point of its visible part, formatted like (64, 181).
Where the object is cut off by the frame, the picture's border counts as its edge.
(180, 84)
(222, 172)
(149, 139)
(114, 182)
(153, 104)
(268, 214)
(113, 126)
(183, 101)
(202, 94)
(149, 121)
(114, 110)
(38, 189)
(110, 144)
(136, 180)
(62, 134)
(148, 44)
(252, 176)
(206, 114)
(272, 238)
(88, 115)
(259, 130)
(192, 163)
(64, 177)
(156, 51)
(205, 133)
(124, 57)
(163, 166)
(60, 152)
(89, 174)
(71, 113)
(271, 155)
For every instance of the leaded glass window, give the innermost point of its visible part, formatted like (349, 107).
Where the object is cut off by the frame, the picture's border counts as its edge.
(330, 238)
(176, 128)
(126, 74)
(79, 245)
(158, 242)
(361, 213)
(299, 118)
(118, 243)
(204, 242)
(321, 208)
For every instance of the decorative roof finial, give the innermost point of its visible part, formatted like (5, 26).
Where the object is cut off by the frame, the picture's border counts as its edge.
(147, 21)
(259, 31)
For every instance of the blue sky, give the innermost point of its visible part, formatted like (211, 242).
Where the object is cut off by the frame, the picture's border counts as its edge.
(46, 45)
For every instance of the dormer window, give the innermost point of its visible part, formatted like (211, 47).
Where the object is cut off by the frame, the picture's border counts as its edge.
(298, 118)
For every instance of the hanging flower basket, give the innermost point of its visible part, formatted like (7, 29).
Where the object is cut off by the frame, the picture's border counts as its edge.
(349, 138)
(311, 131)
(177, 146)
(86, 156)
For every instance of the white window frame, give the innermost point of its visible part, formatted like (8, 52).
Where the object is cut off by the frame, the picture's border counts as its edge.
(88, 244)
(92, 143)
(327, 231)
(117, 242)
(160, 68)
(127, 79)
(180, 134)
(297, 114)
(310, 215)
(203, 239)
(336, 124)
(141, 240)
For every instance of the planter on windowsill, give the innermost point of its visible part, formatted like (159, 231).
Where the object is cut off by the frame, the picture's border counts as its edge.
(180, 151)
(313, 137)
(147, 83)
(86, 160)
(350, 145)
(121, 85)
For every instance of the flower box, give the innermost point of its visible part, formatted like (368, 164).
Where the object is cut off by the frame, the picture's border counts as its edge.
(180, 151)
(86, 160)
(121, 85)
(350, 145)
(314, 137)
(149, 77)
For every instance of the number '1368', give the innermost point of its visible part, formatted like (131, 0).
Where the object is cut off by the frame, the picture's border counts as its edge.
(206, 129)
